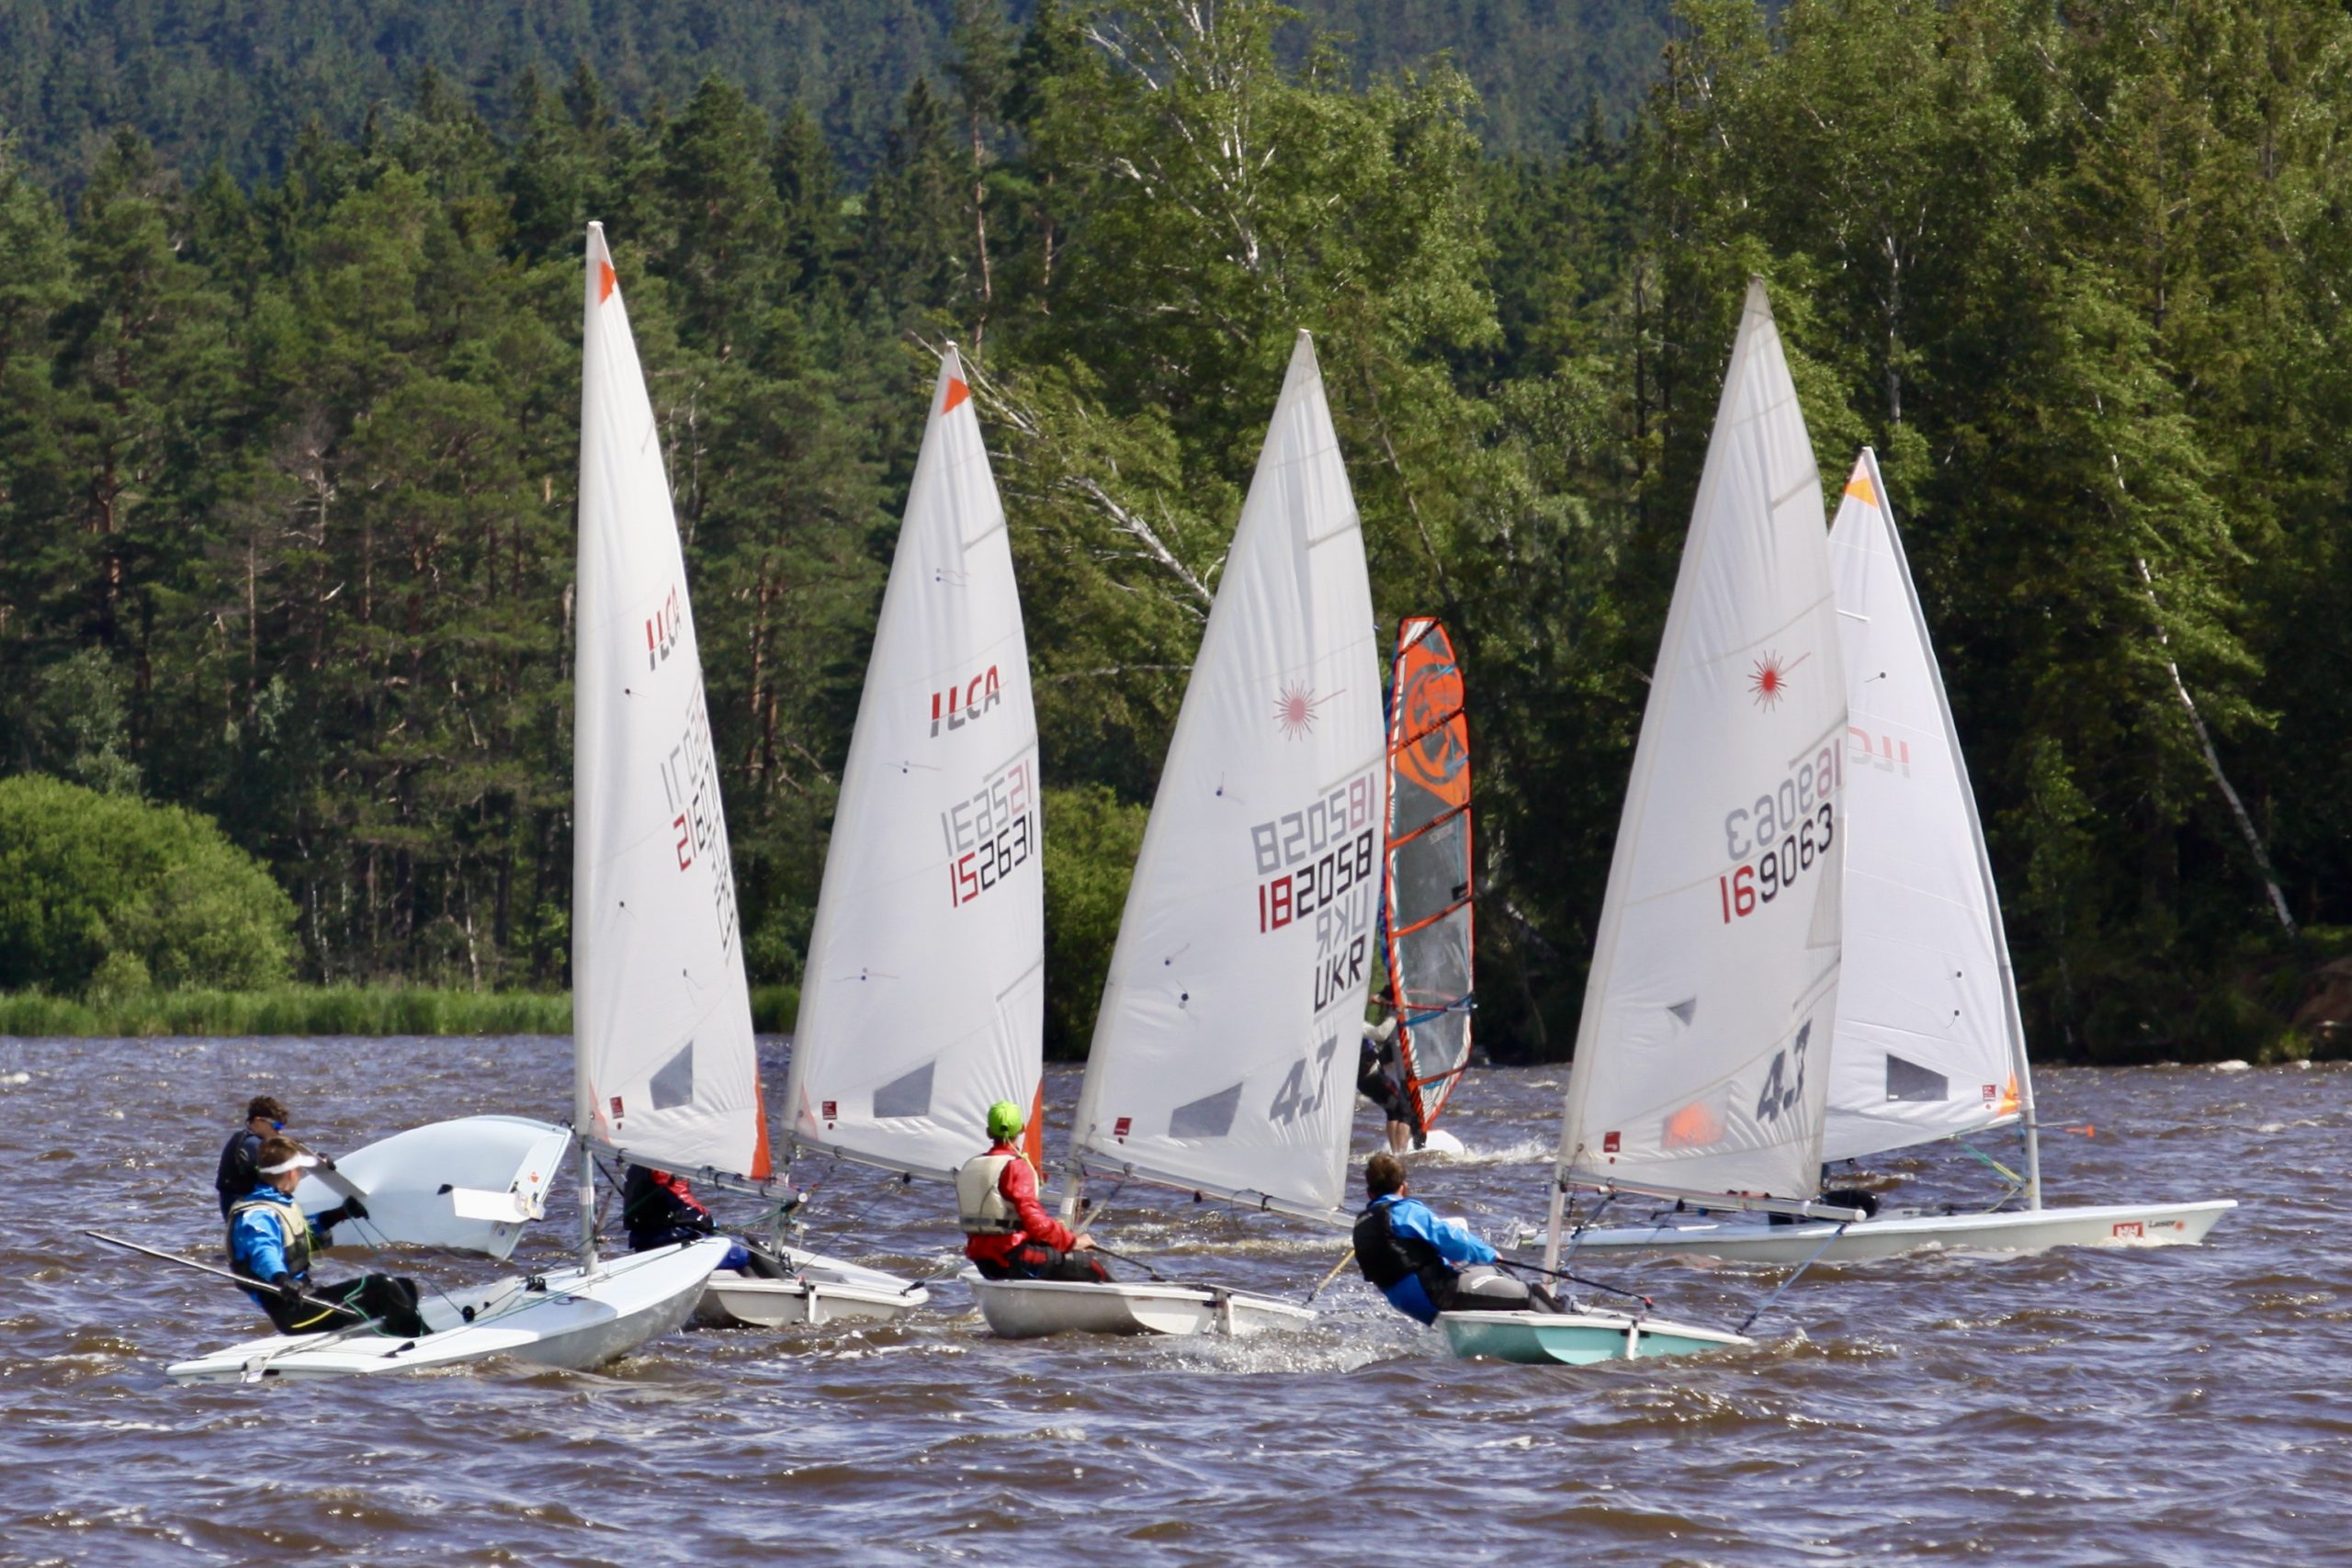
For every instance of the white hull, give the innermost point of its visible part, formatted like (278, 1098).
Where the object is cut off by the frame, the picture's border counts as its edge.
(572, 1318)
(1575, 1338)
(1031, 1309)
(1744, 1238)
(821, 1291)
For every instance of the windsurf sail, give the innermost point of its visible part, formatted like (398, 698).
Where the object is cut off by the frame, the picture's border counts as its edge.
(1929, 1043)
(1701, 1062)
(665, 1068)
(1430, 881)
(924, 1001)
(1224, 1055)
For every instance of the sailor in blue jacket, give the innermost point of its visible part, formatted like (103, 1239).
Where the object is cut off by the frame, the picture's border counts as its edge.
(1423, 1264)
(270, 1243)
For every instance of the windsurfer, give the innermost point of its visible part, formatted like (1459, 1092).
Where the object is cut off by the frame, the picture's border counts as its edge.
(1377, 1081)
(1425, 1265)
(239, 1159)
(270, 1244)
(1007, 1233)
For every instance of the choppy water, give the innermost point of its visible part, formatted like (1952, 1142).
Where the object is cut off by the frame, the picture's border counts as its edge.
(2182, 1405)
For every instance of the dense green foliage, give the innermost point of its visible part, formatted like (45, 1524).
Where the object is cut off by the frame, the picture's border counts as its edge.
(322, 1012)
(1091, 841)
(207, 80)
(107, 893)
(286, 465)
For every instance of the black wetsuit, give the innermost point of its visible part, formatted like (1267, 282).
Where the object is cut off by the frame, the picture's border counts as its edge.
(237, 1176)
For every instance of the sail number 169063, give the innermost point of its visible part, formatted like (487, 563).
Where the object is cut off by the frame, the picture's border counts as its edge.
(1778, 836)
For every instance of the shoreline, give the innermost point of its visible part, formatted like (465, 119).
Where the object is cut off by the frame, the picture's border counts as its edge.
(322, 1010)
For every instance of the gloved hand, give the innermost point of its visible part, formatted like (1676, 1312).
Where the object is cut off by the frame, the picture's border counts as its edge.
(287, 1291)
(353, 1208)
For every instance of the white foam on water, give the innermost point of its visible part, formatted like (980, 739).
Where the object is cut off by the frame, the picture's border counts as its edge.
(2233, 1067)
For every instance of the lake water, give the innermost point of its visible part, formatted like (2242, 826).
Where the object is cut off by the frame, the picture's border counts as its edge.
(2175, 1405)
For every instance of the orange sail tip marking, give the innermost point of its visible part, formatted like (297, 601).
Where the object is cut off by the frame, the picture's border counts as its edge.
(606, 278)
(956, 393)
(1858, 487)
(1033, 1137)
(2009, 1099)
(763, 1162)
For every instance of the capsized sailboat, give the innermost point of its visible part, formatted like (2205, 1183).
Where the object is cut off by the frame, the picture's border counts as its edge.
(664, 1070)
(1929, 1043)
(1222, 1061)
(923, 1001)
(1428, 918)
(1699, 1062)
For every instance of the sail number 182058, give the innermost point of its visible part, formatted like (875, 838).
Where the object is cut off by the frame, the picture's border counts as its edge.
(1778, 836)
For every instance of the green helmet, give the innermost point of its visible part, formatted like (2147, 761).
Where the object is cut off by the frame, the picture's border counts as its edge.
(1005, 1120)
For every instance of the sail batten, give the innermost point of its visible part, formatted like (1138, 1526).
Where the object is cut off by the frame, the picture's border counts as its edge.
(1927, 1044)
(665, 1066)
(1224, 1052)
(1700, 1054)
(924, 1002)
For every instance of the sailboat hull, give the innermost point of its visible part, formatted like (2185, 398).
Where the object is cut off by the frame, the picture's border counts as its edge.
(1748, 1240)
(1575, 1339)
(821, 1291)
(1032, 1309)
(572, 1318)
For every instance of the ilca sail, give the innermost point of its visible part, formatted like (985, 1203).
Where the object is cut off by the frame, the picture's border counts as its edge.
(1222, 1055)
(665, 1068)
(1928, 1044)
(1700, 1056)
(1428, 916)
(924, 1000)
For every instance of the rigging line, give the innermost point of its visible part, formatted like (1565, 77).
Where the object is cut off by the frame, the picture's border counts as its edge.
(1575, 1232)
(1792, 1278)
(857, 1219)
(380, 1241)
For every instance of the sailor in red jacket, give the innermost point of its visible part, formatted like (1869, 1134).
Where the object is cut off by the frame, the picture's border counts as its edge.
(1007, 1233)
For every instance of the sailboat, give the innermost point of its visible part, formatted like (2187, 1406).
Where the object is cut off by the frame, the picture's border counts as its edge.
(1222, 1062)
(1699, 1066)
(1426, 916)
(664, 1062)
(923, 1001)
(1929, 1043)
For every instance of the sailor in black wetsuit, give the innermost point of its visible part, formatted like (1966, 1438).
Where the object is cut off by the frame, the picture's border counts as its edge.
(240, 1155)
(1377, 1082)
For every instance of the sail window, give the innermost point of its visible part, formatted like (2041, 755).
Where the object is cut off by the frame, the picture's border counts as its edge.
(674, 1085)
(1208, 1117)
(1910, 1081)
(907, 1096)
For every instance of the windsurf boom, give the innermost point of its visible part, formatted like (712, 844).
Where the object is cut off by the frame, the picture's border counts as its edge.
(1430, 882)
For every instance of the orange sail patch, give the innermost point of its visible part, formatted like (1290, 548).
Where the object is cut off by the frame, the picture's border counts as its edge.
(1859, 488)
(957, 393)
(1694, 1126)
(606, 278)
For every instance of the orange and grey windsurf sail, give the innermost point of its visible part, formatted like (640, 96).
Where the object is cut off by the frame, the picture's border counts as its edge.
(1430, 882)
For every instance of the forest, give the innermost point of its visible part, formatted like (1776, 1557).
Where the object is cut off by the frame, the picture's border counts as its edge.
(288, 397)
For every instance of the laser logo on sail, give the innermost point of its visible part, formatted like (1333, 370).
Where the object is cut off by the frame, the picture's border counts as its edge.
(1294, 710)
(1770, 680)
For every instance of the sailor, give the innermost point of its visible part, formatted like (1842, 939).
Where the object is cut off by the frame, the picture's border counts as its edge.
(1377, 1082)
(660, 1209)
(264, 1116)
(1007, 1233)
(1425, 1265)
(270, 1244)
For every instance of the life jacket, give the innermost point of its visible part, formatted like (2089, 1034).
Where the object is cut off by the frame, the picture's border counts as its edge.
(291, 1220)
(980, 1205)
(1388, 1260)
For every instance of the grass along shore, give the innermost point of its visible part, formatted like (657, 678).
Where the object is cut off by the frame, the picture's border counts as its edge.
(322, 1010)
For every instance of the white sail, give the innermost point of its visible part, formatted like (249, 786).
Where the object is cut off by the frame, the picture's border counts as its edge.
(1928, 1042)
(1700, 1057)
(664, 1066)
(924, 1001)
(1223, 1057)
